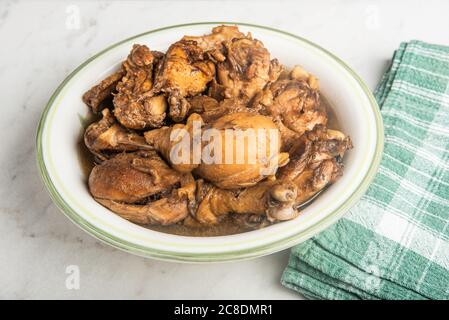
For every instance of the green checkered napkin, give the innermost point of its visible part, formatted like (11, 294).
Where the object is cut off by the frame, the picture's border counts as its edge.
(394, 244)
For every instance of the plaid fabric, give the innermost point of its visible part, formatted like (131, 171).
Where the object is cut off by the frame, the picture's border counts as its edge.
(394, 244)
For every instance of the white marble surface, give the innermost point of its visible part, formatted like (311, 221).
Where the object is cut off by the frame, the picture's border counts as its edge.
(41, 44)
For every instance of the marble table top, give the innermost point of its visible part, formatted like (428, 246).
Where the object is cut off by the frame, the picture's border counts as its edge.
(42, 41)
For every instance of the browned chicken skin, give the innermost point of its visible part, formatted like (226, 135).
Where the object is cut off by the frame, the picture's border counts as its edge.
(294, 102)
(225, 81)
(213, 43)
(107, 136)
(165, 139)
(224, 175)
(132, 177)
(271, 198)
(211, 110)
(136, 106)
(185, 71)
(247, 172)
(247, 68)
(315, 161)
(164, 211)
(169, 209)
(94, 97)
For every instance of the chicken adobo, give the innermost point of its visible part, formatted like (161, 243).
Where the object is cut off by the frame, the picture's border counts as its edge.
(213, 137)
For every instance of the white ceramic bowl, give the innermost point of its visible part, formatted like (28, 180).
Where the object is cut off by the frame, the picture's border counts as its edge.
(60, 130)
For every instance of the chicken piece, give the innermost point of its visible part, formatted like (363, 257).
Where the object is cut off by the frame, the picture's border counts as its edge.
(315, 162)
(176, 143)
(249, 145)
(95, 97)
(216, 91)
(142, 114)
(136, 105)
(300, 74)
(239, 153)
(132, 177)
(314, 179)
(201, 104)
(106, 136)
(164, 211)
(213, 43)
(169, 209)
(211, 110)
(247, 68)
(185, 72)
(275, 199)
(288, 136)
(295, 103)
(314, 167)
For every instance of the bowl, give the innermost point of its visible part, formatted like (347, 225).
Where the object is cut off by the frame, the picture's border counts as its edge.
(60, 130)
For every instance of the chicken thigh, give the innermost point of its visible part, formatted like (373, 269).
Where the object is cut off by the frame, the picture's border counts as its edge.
(185, 72)
(132, 177)
(247, 68)
(136, 105)
(236, 155)
(248, 151)
(294, 104)
(106, 137)
(166, 208)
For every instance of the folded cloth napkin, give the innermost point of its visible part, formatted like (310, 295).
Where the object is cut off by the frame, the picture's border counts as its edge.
(394, 244)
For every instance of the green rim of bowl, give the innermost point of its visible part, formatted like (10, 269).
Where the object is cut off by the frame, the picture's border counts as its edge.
(211, 257)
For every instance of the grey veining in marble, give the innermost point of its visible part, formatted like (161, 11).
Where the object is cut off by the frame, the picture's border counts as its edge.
(42, 41)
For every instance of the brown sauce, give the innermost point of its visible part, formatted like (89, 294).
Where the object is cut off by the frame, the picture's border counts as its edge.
(85, 157)
(227, 225)
(332, 120)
